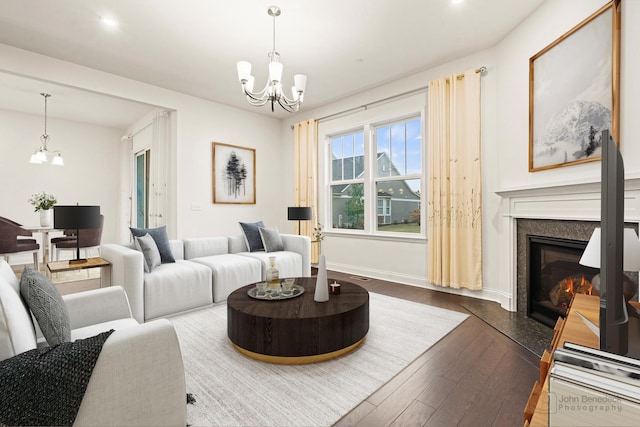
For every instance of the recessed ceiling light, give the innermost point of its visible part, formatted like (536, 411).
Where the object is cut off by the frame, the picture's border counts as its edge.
(456, 1)
(109, 22)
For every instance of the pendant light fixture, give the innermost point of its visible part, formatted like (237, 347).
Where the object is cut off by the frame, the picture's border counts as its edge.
(42, 154)
(272, 91)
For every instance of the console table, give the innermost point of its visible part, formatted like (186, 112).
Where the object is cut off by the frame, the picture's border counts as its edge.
(102, 264)
(571, 329)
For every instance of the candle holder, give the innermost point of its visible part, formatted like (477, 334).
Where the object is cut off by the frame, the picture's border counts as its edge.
(334, 288)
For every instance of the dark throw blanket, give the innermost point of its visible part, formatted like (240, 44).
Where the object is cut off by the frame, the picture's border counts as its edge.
(44, 387)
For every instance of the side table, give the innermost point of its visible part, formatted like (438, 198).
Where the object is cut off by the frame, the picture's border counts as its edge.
(103, 265)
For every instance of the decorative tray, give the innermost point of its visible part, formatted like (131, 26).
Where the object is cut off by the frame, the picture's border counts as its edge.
(297, 291)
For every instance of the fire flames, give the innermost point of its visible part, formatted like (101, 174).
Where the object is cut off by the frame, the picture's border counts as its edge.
(570, 286)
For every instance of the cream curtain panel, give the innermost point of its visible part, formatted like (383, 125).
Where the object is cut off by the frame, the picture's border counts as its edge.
(127, 183)
(159, 170)
(305, 176)
(454, 184)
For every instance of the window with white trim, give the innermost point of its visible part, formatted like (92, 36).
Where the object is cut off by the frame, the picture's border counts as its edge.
(347, 180)
(377, 178)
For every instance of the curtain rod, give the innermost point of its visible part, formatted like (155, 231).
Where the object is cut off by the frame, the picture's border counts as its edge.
(481, 70)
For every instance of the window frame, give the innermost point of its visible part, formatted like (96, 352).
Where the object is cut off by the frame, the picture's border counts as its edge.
(370, 179)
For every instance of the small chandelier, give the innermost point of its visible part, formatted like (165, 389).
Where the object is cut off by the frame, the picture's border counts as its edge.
(272, 91)
(41, 154)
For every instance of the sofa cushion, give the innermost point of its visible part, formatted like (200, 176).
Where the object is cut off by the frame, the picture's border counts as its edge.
(230, 272)
(47, 306)
(251, 231)
(172, 288)
(289, 264)
(177, 249)
(17, 334)
(237, 244)
(162, 241)
(205, 246)
(149, 249)
(6, 272)
(271, 239)
(91, 330)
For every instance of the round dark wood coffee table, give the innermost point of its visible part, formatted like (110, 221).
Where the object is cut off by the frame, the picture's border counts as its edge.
(298, 330)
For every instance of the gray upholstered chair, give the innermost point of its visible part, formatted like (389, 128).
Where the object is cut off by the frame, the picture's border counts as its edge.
(138, 379)
(11, 241)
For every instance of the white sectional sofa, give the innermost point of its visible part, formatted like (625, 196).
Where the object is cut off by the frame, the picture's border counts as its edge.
(138, 379)
(206, 270)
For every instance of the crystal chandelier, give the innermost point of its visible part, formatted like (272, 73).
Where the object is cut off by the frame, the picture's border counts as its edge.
(272, 91)
(41, 154)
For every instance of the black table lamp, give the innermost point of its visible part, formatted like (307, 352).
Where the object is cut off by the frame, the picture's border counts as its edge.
(299, 213)
(78, 218)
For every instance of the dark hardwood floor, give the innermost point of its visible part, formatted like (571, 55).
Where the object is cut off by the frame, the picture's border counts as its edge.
(474, 376)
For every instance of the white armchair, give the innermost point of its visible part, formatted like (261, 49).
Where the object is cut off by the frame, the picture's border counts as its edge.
(138, 379)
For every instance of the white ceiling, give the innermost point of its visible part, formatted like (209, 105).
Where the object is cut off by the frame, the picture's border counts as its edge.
(192, 46)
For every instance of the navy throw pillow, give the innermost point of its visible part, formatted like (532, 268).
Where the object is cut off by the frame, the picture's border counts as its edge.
(159, 235)
(251, 231)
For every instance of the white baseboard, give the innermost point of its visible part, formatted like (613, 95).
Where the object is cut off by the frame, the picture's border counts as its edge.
(419, 281)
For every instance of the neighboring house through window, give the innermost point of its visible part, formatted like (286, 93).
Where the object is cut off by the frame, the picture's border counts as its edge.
(382, 195)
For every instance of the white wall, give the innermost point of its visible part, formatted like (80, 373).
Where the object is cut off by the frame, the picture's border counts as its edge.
(556, 18)
(88, 177)
(504, 138)
(405, 261)
(198, 127)
(196, 124)
(505, 104)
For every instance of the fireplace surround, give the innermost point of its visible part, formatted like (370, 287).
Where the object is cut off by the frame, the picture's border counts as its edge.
(569, 209)
(562, 230)
(554, 276)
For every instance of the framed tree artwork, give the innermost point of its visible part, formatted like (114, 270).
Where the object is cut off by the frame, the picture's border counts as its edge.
(574, 86)
(234, 174)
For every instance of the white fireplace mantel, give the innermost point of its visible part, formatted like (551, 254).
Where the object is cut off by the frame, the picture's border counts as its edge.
(578, 201)
(566, 201)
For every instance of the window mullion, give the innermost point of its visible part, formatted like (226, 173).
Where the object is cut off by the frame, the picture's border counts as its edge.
(370, 208)
(398, 205)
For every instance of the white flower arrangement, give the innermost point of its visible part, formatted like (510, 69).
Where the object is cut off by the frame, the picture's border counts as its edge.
(43, 201)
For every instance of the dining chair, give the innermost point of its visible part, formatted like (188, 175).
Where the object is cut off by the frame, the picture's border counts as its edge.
(89, 238)
(12, 241)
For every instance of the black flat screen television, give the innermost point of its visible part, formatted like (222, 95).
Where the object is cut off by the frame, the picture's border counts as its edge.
(614, 320)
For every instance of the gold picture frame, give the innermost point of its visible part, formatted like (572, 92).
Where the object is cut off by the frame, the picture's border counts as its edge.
(574, 86)
(234, 174)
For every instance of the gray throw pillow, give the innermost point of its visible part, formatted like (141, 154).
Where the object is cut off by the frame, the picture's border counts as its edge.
(252, 235)
(160, 237)
(149, 249)
(47, 306)
(271, 239)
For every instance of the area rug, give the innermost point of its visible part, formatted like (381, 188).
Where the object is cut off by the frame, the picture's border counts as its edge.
(233, 390)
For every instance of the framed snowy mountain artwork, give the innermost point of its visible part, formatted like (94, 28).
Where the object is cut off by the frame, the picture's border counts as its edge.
(234, 174)
(573, 92)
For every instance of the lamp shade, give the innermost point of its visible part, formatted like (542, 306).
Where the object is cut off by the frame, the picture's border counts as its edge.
(631, 258)
(275, 71)
(244, 70)
(58, 160)
(300, 81)
(78, 217)
(299, 213)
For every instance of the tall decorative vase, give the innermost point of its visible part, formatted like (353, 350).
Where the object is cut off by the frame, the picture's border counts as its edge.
(46, 218)
(322, 285)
